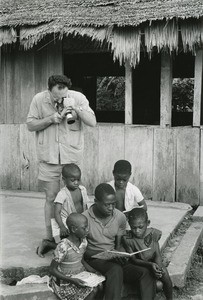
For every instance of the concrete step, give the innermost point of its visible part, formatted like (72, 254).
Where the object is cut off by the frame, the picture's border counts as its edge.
(182, 257)
(198, 215)
(26, 292)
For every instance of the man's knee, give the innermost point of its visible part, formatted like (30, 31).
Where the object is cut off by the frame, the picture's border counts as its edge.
(51, 190)
(115, 273)
(145, 273)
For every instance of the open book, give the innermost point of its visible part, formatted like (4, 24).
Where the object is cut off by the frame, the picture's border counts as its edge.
(107, 255)
(91, 279)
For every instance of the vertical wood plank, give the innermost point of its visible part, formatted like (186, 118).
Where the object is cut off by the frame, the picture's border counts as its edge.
(24, 155)
(10, 156)
(198, 88)
(139, 152)
(166, 90)
(164, 165)
(128, 94)
(90, 174)
(111, 149)
(2, 86)
(201, 167)
(27, 82)
(188, 165)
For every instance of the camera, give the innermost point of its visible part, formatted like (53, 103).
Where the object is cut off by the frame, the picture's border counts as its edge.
(69, 116)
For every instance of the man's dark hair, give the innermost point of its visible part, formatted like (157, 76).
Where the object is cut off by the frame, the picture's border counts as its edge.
(68, 169)
(103, 189)
(137, 213)
(122, 166)
(62, 80)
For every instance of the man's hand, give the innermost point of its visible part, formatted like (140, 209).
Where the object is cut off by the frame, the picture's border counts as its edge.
(157, 270)
(56, 118)
(64, 231)
(78, 282)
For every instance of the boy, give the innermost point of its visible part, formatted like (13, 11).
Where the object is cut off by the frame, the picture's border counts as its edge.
(141, 237)
(71, 198)
(128, 195)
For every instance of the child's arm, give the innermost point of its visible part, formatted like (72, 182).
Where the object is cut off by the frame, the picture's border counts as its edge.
(143, 204)
(57, 214)
(55, 272)
(88, 267)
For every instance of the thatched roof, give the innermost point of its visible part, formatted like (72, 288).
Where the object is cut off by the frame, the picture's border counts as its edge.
(122, 24)
(96, 12)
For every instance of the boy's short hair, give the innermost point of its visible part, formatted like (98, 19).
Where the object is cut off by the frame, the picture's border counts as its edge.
(122, 166)
(137, 213)
(68, 169)
(103, 189)
(74, 219)
(62, 80)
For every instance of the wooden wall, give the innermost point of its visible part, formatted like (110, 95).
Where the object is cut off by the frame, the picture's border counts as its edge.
(165, 161)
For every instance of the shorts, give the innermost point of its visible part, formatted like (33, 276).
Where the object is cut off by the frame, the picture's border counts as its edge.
(49, 172)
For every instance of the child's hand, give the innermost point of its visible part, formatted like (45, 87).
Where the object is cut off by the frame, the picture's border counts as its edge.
(79, 282)
(64, 231)
(156, 270)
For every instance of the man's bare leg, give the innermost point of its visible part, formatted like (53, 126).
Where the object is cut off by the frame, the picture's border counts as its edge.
(51, 189)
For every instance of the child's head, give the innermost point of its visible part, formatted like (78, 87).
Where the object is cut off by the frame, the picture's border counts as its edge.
(77, 224)
(138, 220)
(71, 175)
(121, 173)
(105, 199)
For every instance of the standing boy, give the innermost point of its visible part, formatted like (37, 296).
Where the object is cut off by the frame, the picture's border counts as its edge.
(128, 195)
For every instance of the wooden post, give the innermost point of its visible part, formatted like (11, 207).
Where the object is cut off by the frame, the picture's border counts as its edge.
(166, 90)
(198, 88)
(128, 94)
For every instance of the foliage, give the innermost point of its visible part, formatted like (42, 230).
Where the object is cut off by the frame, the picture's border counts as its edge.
(182, 98)
(111, 93)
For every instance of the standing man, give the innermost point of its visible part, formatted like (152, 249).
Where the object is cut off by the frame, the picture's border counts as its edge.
(58, 142)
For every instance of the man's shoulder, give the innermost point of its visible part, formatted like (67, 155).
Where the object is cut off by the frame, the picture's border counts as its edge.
(119, 214)
(76, 94)
(132, 187)
(41, 96)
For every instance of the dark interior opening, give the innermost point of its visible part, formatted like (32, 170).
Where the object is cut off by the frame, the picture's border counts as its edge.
(146, 91)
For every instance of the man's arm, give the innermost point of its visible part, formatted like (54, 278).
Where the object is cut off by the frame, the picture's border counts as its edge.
(86, 116)
(41, 124)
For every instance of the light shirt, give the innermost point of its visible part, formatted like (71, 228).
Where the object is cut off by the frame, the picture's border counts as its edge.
(65, 199)
(132, 195)
(102, 237)
(58, 140)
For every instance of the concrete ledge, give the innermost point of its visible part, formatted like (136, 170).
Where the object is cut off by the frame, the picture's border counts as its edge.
(181, 259)
(26, 292)
(198, 215)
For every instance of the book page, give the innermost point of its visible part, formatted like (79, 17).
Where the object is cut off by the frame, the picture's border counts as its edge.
(108, 255)
(91, 279)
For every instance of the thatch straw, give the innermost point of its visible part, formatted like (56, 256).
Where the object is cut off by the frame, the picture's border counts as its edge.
(162, 35)
(125, 44)
(192, 35)
(7, 36)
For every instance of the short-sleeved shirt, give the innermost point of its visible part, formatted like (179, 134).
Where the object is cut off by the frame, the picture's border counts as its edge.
(102, 237)
(65, 199)
(132, 195)
(58, 141)
(150, 240)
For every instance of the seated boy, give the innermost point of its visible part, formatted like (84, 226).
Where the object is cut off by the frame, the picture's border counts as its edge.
(141, 237)
(128, 195)
(71, 198)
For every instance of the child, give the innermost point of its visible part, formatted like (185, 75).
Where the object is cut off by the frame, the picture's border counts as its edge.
(141, 237)
(69, 261)
(128, 195)
(71, 198)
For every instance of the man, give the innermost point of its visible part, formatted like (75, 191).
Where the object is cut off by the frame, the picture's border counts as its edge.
(58, 142)
(106, 227)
